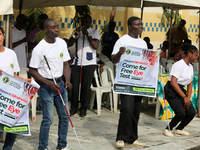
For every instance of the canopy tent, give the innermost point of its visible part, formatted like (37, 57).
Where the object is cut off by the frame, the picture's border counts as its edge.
(6, 7)
(53, 3)
(175, 4)
(179, 4)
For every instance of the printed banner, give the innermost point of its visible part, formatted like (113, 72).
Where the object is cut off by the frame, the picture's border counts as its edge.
(138, 72)
(21, 127)
(15, 95)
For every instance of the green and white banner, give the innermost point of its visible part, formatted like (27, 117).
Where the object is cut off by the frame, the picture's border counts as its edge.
(137, 73)
(15, 95)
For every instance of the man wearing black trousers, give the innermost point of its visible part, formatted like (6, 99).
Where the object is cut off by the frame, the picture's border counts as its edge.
(83, 65)
(130, 105)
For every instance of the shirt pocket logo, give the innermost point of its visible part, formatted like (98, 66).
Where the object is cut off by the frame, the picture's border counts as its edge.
(89, 56)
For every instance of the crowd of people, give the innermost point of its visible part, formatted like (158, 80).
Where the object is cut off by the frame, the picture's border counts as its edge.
(78, 74)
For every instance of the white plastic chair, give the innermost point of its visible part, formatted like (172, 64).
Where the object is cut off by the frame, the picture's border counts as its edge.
(99, 90)
(23, 74)
(170, 61)
(196, 66)
(104, 58)
(111, 75)
(169, 67)
(161, 69)
(111, 66)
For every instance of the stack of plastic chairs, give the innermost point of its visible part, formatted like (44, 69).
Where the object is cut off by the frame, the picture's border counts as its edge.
(196, 66)
(169, 65)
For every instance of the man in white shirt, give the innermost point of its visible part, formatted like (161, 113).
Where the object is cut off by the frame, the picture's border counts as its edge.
(130, 105)
(19, 40)
(56, 52)
(83, 65)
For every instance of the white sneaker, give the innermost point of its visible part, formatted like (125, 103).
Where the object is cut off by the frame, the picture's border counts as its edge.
(66, 148)
(120, 144)
(136, 143)
(167, 133)
(182, 132)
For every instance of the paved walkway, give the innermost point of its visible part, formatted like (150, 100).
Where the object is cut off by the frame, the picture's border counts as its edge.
(99, 133)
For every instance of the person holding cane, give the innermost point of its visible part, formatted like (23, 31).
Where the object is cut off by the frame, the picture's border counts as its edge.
(9, 64)
(56, 52)
(83, 65)
(177, 97)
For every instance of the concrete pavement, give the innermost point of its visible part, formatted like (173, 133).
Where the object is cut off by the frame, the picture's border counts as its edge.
(99, 133)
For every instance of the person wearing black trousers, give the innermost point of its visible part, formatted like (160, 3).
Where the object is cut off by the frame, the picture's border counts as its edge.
(127, 133)
(84, 65)
(177, 97)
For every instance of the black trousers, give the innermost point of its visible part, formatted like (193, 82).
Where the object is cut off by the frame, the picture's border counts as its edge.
(87, 76)
(129, 117)
(183, 117)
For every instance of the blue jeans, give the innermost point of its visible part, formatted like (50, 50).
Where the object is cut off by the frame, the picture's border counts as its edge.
(9, 141)
(49, 99)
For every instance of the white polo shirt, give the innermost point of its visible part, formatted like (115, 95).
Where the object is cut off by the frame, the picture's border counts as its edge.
(86, 54)
(182, 72)
(8, 61)
(56, 53)
(127, 40)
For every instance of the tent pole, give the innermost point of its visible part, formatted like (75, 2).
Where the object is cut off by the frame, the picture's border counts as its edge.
(142, 8)
(198, 110)
(7, 31)
(20, 6)
(10, 31)
(170, 35)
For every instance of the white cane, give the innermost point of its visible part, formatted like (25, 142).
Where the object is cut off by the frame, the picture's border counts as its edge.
(79, 93)
(63, 102)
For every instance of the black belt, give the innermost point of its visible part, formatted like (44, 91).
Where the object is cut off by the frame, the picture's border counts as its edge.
(56, 79)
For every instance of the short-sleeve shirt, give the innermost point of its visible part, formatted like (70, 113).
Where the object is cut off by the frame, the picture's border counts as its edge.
(37, 35)
(127, 40)
(33, 34)
(86, 55)
(56, 53)
(110, 38)
(20, 50)
(179, 55)
(8, 61)
(182, 71)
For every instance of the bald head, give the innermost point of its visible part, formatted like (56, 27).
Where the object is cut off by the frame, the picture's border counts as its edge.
(46, 23)
(51, 28)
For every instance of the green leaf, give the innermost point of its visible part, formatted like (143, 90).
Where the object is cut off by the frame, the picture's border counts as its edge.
(33, 14)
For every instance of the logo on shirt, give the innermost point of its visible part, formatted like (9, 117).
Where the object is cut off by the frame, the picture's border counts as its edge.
(11, 65)
(6, 80)
(128, 52)
(61, 55)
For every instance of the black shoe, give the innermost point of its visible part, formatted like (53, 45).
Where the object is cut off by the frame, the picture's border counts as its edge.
(73, 112)
(82, 113)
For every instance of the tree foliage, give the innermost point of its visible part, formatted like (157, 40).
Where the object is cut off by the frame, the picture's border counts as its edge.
(80, 12)
(167, 16)
(33, 15)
